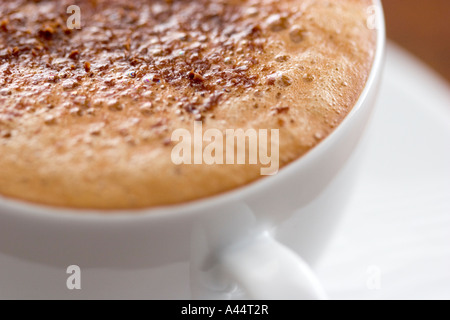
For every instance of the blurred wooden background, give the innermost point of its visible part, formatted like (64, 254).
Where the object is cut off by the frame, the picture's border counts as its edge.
(423, 28)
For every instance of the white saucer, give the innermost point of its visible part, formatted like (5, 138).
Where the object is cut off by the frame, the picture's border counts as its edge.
(394, 242)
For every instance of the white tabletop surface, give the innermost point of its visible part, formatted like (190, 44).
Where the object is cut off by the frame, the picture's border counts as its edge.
(394, 242)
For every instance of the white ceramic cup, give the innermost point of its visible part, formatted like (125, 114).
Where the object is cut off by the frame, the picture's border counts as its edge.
(254, 242)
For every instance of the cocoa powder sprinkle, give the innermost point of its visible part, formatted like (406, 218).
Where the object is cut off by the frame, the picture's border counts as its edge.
(87, 66)
(133, 54)
(74, 55)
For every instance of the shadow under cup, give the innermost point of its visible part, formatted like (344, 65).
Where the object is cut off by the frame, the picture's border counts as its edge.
(175, 252)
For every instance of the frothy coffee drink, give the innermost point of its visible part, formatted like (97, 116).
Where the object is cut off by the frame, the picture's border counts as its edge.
(89, 99)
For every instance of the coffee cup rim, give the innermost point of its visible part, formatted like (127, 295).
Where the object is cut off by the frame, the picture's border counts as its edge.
(28, 209)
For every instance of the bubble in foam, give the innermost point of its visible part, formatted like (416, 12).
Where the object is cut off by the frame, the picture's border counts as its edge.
(297, 34)
(114, 105)
(252, 12)
(319, 135)
(308, 77)
(282, 58)
(50, 120)
(276, 22)
(146, 108)
(284, 80)
(151, 78)
(228, 60)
